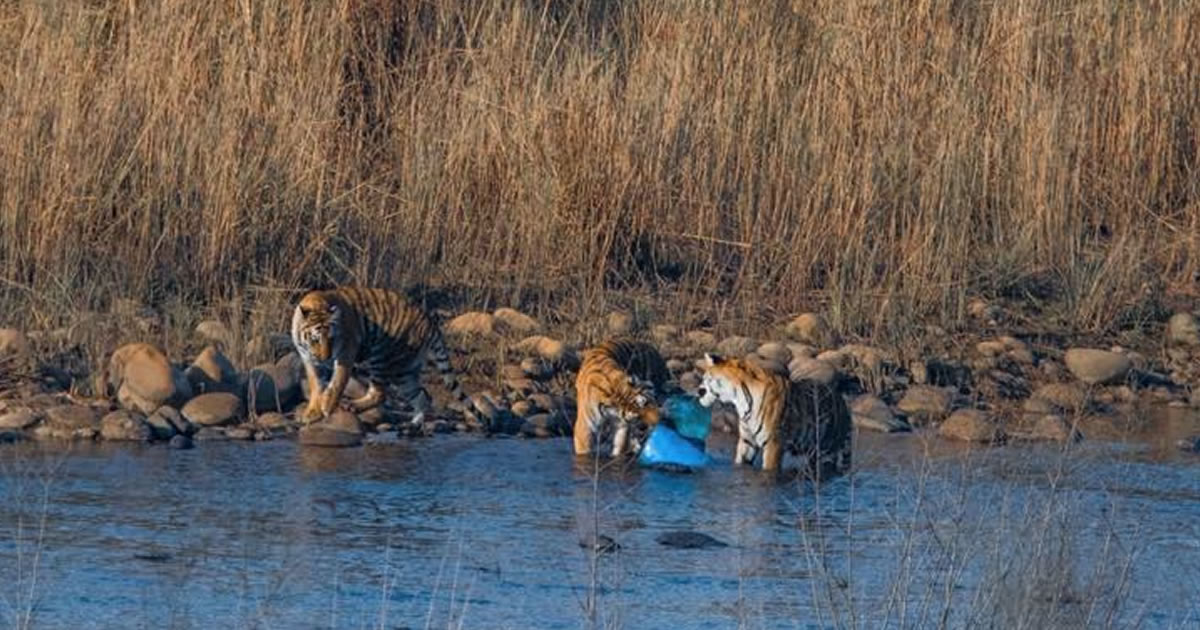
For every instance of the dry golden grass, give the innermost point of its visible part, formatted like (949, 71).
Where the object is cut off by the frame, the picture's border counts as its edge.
(884, 160)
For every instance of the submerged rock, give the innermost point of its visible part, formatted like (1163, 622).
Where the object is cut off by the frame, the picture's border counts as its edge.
(685, 539)
(600, 544)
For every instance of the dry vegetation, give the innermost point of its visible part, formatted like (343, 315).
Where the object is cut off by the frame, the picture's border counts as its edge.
(884, 161)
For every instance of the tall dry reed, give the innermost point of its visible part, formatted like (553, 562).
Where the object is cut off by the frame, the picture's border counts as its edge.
(882, 160)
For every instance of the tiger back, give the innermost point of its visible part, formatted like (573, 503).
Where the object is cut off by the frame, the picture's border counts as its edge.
(618, 383)
(807, 419)
(338, 330)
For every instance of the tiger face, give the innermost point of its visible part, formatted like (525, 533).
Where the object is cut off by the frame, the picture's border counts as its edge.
(316, 325)
(723, 381)
(636, 406)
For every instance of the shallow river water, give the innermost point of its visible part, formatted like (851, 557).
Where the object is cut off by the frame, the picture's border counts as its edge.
(461, 531)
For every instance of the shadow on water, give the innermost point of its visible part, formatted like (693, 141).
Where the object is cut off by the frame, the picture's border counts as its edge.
(487, 533)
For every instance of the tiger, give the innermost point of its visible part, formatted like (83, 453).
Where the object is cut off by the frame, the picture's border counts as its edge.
(617, 382)
(807, 418)
(340, 328)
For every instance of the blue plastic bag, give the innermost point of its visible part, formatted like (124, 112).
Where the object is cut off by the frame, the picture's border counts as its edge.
(690, 418)
(665, 446)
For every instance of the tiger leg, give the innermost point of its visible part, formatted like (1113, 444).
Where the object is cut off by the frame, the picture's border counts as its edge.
(583, 428)
(440, 357)
(772, 454)
(370, 400)
(337, 384)
(313, 410)
(746, 451)
(414, 394)
(620, 438)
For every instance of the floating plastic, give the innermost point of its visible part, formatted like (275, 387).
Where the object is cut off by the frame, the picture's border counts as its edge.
(665, 446)
(691, 419)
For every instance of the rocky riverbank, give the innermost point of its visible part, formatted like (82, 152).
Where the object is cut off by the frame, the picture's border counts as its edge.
(992, 388)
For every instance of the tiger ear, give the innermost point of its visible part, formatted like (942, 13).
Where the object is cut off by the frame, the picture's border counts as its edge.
(333, 309)
(711, 360)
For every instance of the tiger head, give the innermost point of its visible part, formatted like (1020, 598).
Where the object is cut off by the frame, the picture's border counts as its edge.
(635, 405)
(316, 324)
(725, 380)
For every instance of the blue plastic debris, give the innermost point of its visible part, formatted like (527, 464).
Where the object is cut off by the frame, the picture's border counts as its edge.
(679, 439)
(690, 418)
(665, 446)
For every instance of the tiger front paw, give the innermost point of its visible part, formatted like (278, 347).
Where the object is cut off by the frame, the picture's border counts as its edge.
(312, 413)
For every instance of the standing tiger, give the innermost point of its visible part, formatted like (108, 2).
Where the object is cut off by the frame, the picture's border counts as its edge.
(808, 418)
(616, 383)
(347, 326)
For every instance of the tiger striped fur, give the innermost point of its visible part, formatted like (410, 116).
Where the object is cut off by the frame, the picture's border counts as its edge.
(377, 329)
(617, 382)
(807, 418)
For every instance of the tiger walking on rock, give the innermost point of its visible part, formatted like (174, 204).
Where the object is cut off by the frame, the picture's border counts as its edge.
(338, 329)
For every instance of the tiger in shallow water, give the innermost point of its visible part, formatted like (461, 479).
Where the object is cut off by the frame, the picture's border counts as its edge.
(378, 329)
(807, 418)
(618, 383)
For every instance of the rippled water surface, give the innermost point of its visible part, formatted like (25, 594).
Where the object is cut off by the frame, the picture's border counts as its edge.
(459, 531)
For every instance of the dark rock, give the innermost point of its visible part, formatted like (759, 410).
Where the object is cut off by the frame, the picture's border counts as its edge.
(600, 544)
(180, 442)
(684, 539)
